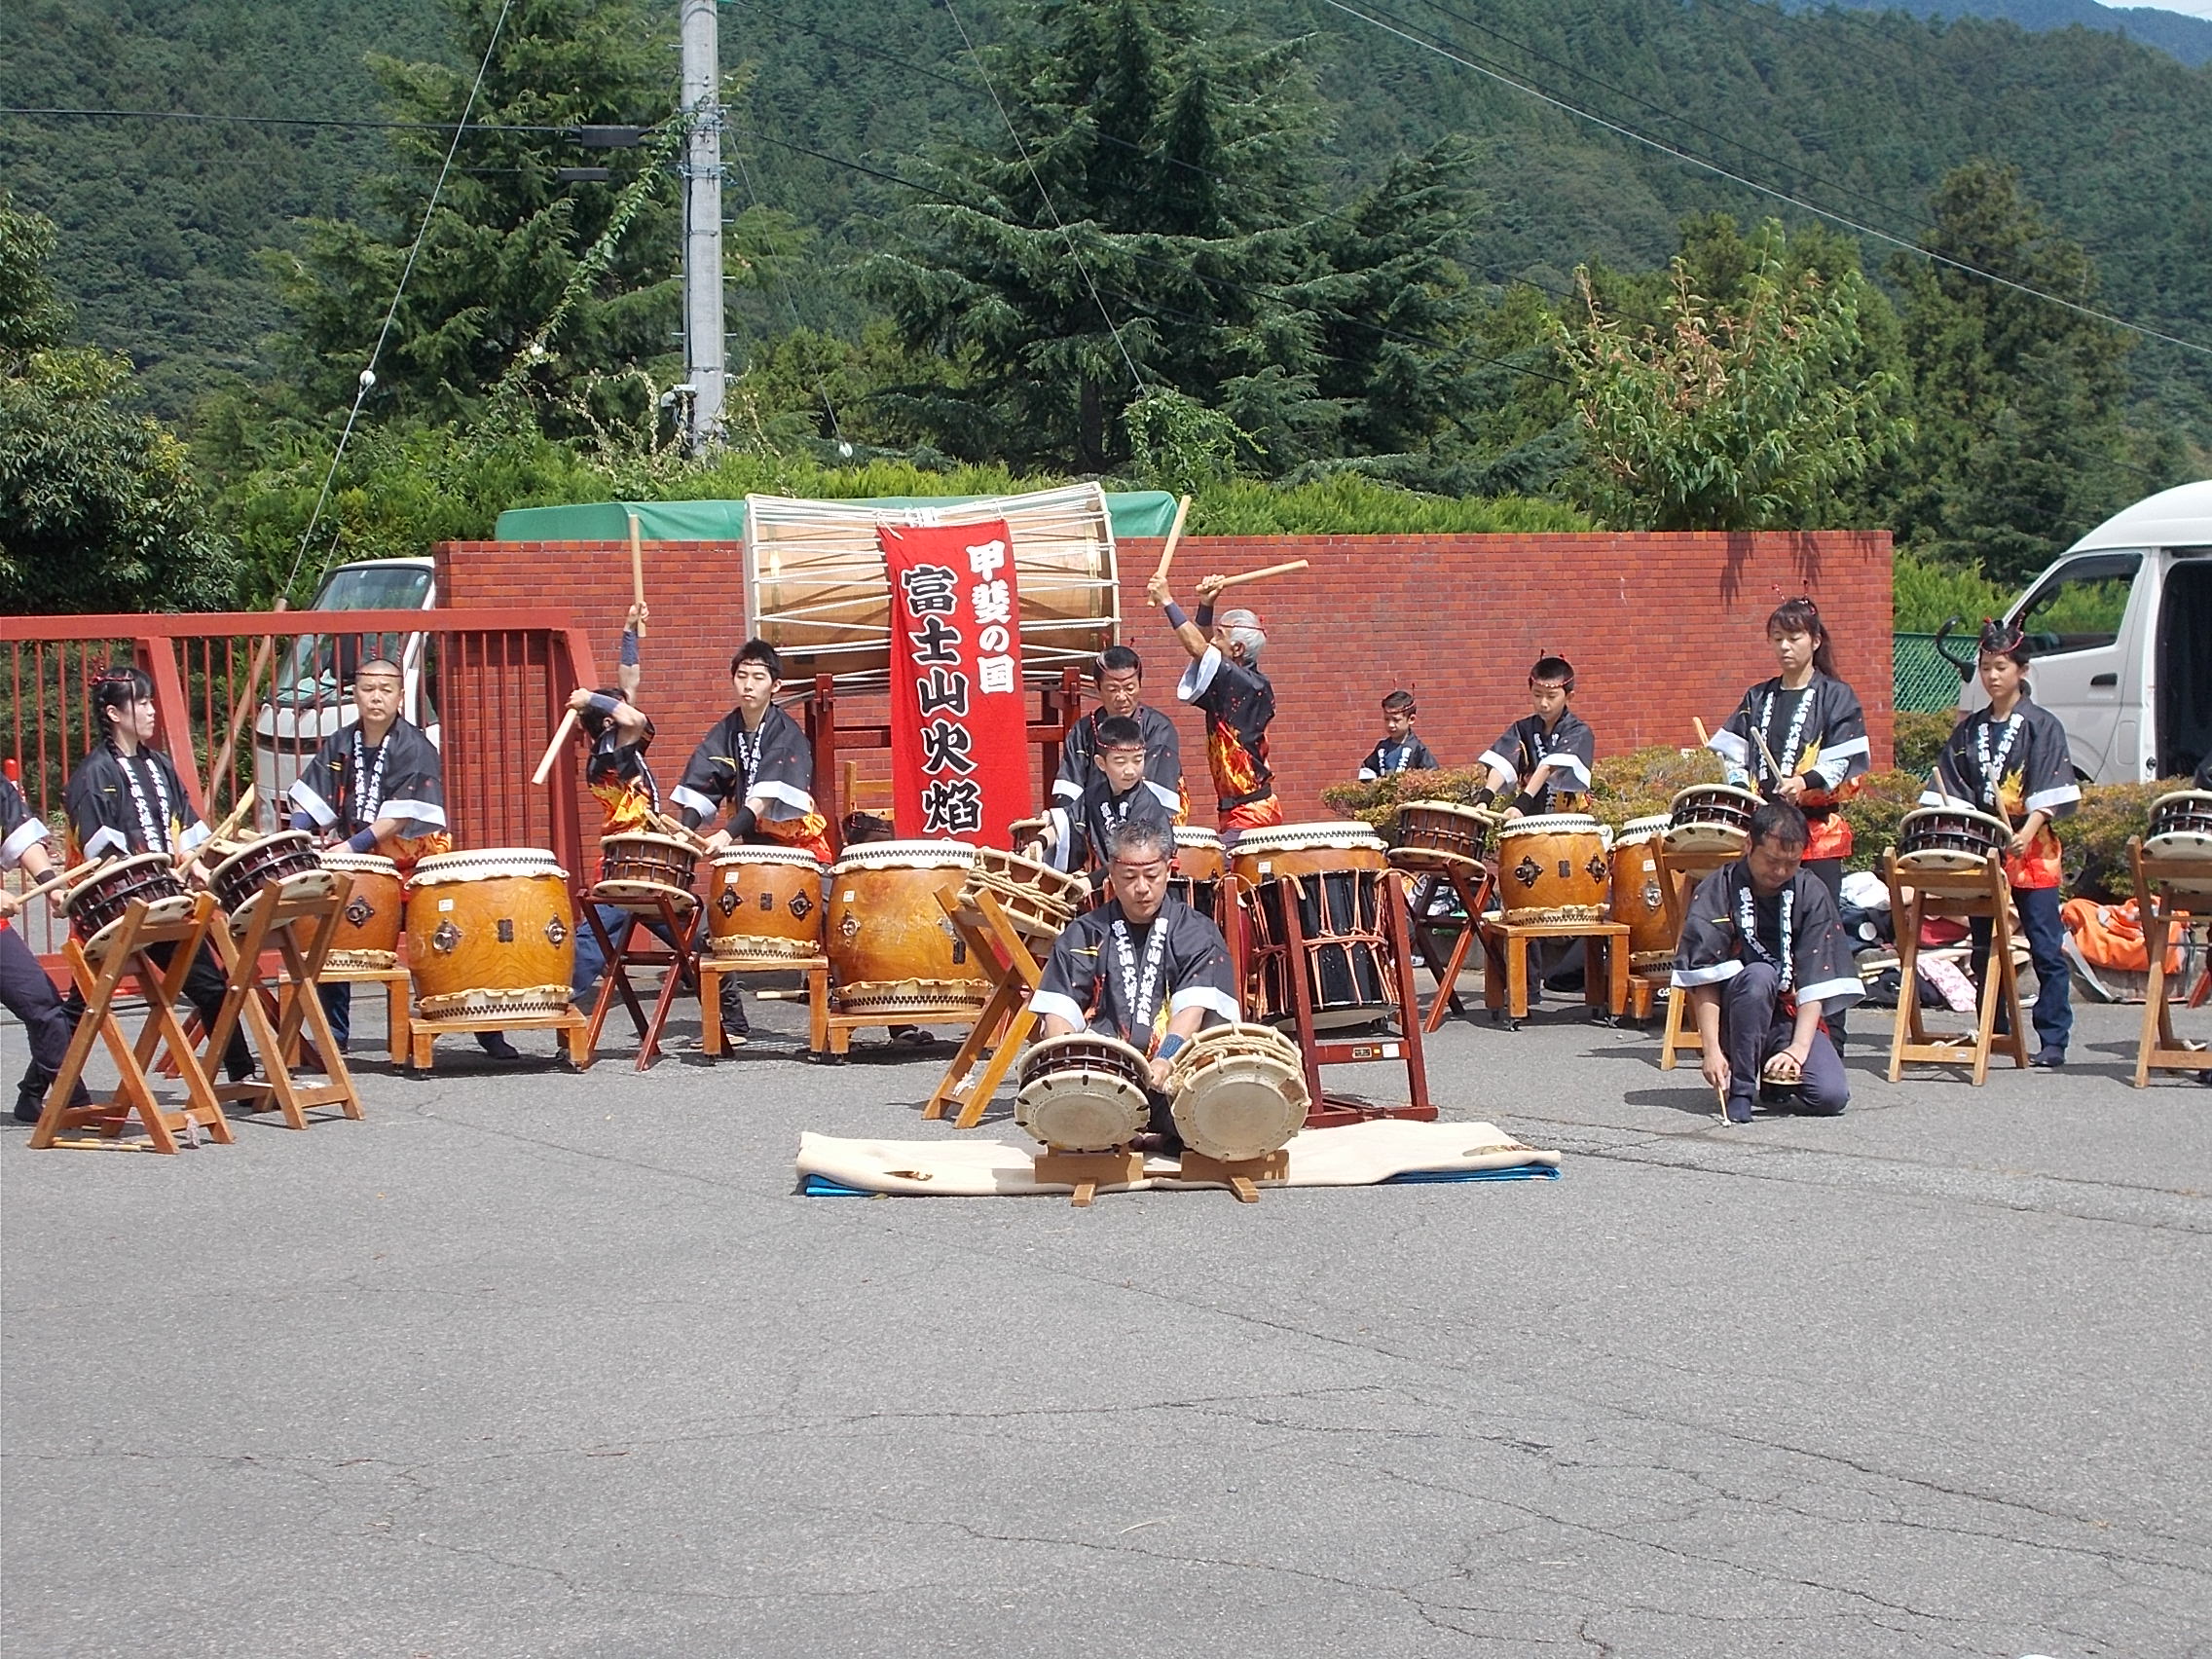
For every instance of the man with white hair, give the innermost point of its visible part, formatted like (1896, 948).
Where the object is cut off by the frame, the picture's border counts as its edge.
(1225, 681)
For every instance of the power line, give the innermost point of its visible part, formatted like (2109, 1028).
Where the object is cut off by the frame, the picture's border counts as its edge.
(368, 375)
(1400, 29)
(267, 120)
(784, 282)
(1036, 178)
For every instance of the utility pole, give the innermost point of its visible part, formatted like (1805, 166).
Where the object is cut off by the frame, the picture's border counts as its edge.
(702, 219)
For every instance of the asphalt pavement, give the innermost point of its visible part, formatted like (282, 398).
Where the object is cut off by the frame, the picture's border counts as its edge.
(536, 1364)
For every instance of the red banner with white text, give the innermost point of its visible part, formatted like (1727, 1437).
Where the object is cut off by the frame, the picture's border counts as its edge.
(959, 753)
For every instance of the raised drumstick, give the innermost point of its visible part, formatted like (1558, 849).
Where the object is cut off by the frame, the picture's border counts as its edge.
(1174, 534)
(553, 749)
(222, 830)
(1265, 571)
(1703, 741)
(637, 575)
(676, 828)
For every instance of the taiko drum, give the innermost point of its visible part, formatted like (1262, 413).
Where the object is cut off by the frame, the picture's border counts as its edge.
(490, 933)
(764, 902)
(370, 921)
(891, 945)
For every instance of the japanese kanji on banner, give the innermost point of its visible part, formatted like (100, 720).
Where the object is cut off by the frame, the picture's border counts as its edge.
(959, 756)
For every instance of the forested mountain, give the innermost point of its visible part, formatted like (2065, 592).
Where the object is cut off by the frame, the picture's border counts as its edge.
(1858, 113)
(2189, 38)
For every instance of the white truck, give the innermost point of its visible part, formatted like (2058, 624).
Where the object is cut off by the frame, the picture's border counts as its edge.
(313, 693)
(2121, 630)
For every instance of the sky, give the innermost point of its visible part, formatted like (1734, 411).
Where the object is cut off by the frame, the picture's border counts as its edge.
(2193, 8)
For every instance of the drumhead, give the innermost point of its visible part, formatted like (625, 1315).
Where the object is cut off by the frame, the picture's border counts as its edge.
(1079, 1092)
(1196, 835)
(749, 855)
(1550, 824)
(487, 864)
(1457, 808)
(1717, 793)
(680, 849)
(1240, 1092)
(1289, 837)
(1642, 829)
(360, 864)
(1995, 827)
(906, 855)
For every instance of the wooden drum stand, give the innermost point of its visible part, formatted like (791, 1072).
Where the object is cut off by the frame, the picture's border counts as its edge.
(299, 929)
(2163, 886)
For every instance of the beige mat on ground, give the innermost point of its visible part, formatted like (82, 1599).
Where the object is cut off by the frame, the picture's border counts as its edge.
(1358, 1155)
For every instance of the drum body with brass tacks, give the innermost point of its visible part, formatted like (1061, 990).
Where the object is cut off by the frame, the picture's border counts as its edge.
(764, 902)
(641, 873)
(1200, 866)
(2180, 841)
(1949, 838)
(892, 949)
(1237, 1091)
(1083, 1093)
(1554, 868)
(1711, 817)
(490, 933)
(1638, 899)
(287, 858)
(1038, 900)
(1441, 834)
(1336, 877)
(95, 904)
(374, 913)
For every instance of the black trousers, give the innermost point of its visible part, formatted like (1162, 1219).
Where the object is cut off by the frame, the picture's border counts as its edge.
(204, 990)
(30, 995)
(1828, 872)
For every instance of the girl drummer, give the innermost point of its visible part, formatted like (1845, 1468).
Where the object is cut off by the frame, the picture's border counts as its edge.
(2011, 761)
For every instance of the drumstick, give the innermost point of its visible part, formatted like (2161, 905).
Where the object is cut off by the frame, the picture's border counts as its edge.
(1265, 571)
(553, 749)
(1174, 534)
(680, 830)
(1766, 753)
(244, 805)
(637, 575)
(1703, 741)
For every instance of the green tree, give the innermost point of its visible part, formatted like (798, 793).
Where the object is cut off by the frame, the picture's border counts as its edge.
(552, 284)
(2021, 444)
(1740, 412)
(98, 509)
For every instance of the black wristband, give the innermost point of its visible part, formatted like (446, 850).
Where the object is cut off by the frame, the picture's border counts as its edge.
(741, 823)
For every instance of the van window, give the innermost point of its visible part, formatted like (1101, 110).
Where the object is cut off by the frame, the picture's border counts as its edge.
(2080, 607)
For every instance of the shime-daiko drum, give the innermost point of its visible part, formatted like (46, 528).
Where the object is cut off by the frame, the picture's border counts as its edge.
(1949, 838)
(97, 901)
(1711, 817)
(1083, 1093)
(490, 933)
(642, 871)
(288, 858)
(1238, 1091)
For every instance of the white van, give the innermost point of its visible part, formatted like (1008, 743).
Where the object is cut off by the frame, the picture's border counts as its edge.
(313, 693)
(2122, 631)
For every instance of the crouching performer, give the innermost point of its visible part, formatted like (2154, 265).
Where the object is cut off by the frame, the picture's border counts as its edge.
(1142, 967)
(1761, 956)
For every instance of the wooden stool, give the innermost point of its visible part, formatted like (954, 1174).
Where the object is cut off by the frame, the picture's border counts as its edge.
(1505, 964)
(1014, 970)
(1472, 883)
(1679, 877)
(1087, 1172)
(2163, 886)
(1242, 1175)
(398, 986)
(127, 954)
(1973, 895)
(640, 947)
(301, 930)
(714, 969)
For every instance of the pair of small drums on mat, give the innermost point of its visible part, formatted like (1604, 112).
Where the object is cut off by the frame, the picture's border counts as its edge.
(1236, 1093)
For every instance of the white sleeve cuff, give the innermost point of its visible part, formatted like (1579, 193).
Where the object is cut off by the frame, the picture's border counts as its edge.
(1712, 976)
(1844, 751)
(696, 801)
(28, 834)
(1203, 996)
(2045, 800)
(790, 795)
(1367, 775)
(1062, 845)
(1730, 748)
(1166, 796)
(1832, 993)
(1198, 675)
(1044, 1003)
(1067, 788)
(103, 839)
(414, 812)
(196, 834)
(303, 796)
(1571, 764)
(1492, 759)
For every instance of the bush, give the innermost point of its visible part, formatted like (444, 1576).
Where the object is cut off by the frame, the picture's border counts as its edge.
(2094, 840)
(1919, 737)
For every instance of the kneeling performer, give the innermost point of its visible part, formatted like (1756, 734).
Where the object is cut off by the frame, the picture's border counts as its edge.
(1142, 967)
(1761, 955)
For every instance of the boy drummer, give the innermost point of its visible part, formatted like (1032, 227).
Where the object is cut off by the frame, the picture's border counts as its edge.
(1546, 754)
(1400, 751)
(1079, 833)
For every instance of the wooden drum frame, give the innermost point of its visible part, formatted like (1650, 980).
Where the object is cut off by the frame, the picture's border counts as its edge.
(490, 933)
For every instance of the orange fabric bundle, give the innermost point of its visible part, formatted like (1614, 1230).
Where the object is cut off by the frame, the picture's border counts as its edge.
(2110, 935)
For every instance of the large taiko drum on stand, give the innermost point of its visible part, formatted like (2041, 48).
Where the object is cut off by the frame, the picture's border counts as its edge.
(1238, 1091)
(370, 924)
(892, 949)
(96, 902)
(1200, 866)
(642, 872)
(1336, 876)
(288, 858)
(490, 933)
(1711, 817)
(817, 590)
(1553, 868)
(1083, 1093)
(2180, 842)
(1949, 838)
(764, 902)
(1638, 897)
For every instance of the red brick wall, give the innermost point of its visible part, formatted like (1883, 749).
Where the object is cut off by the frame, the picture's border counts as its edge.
(1660, 627)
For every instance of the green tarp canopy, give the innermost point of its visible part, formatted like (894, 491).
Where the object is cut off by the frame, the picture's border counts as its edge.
(1134, 513)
